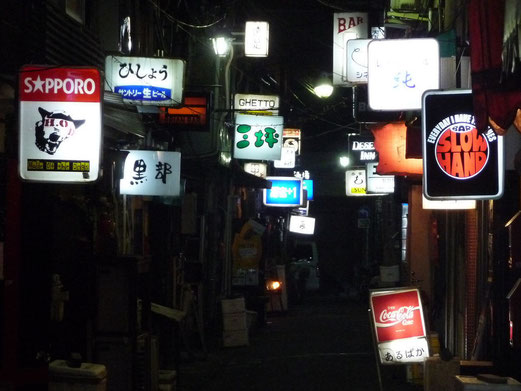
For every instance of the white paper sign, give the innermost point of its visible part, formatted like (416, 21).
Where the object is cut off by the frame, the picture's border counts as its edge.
(400, 71)
(346, 26)
(258, 137)
(146, 80)
(154, 173)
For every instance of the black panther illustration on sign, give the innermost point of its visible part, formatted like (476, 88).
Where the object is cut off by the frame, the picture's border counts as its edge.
(54, 128)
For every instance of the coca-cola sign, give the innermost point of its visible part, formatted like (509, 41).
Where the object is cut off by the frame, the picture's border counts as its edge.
(397, 314)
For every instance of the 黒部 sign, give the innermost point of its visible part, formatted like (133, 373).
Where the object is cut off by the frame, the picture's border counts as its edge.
(60, 124)
(399, 326)
(459, 162)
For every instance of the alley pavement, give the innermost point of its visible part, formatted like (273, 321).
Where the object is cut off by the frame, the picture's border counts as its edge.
(324, 343)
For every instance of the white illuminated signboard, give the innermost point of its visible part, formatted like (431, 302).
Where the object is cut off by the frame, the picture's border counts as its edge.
(257, 169)
(346, 26)
(356, 58)
(252, 102)
(378, 183)
(448, 204)
(60, 124)
(146, 80)
(356, 182)
(256, 39)
(154, 173)
(258, 137)
(400, 71)
(287, 159)
(291, 139)
(302, 224)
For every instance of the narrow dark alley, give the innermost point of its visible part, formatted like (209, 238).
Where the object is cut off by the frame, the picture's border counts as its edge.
(324, 343)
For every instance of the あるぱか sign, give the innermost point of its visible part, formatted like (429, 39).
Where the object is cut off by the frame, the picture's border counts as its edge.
(459, 162)
(60, 124)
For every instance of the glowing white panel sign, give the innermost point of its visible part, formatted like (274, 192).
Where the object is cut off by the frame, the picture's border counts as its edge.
(378, 183)
(302, 224)
(256, 39)
(448, 204)
(255, 102)
(154, 173)
(257, 169)
(400, 71)
(356, 53)
(356, 184)
(346, 26)
(287, 159)
(146, 80)
(258, 137)
(60, 124)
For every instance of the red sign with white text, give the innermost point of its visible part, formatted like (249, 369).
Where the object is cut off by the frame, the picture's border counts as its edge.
(397, 314)
(59, 84)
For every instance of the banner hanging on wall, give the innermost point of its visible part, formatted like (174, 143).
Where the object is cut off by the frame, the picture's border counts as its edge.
(458, 161)
(60, 124)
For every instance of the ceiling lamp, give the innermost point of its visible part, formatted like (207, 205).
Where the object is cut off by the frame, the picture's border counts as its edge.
(324, 87)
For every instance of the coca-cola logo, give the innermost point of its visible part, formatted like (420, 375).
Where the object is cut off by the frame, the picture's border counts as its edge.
(390, 317)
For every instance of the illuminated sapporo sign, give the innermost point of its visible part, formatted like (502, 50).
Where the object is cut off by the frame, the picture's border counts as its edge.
(60, 124)
(459, 162)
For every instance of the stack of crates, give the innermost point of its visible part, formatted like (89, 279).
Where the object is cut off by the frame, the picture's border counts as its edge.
(235, 329)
